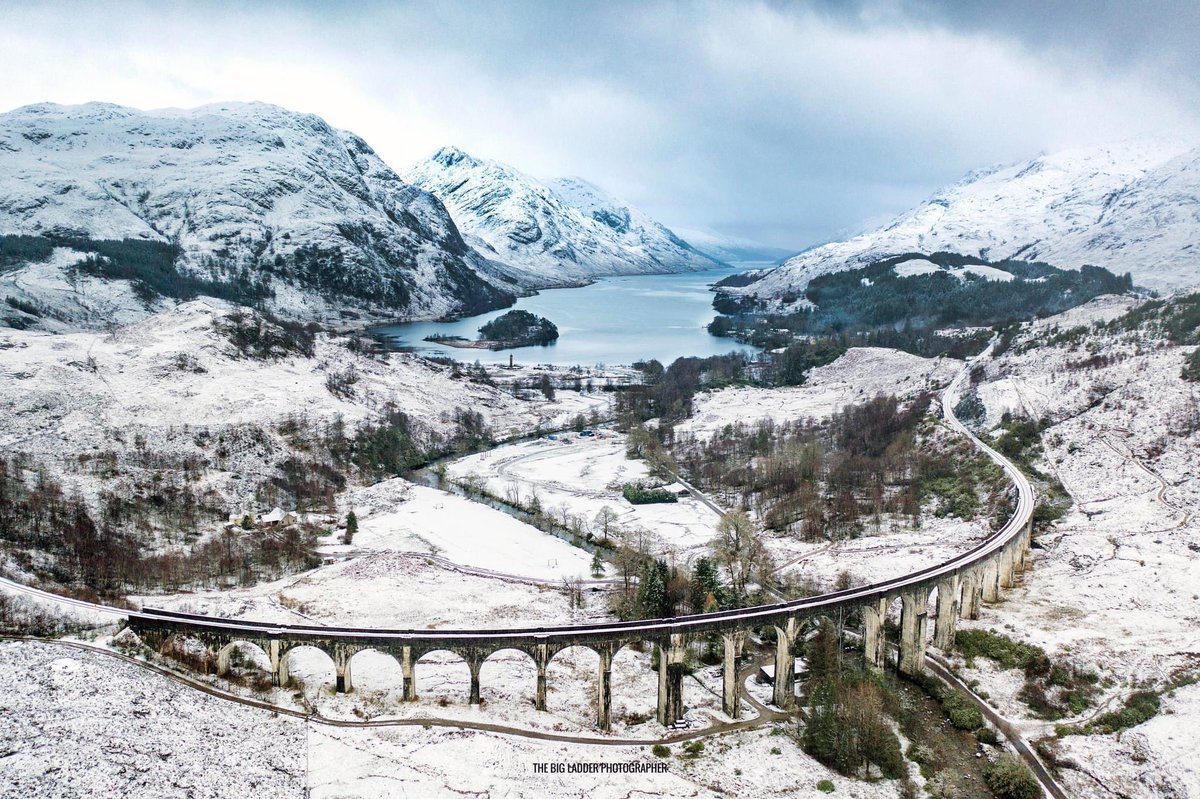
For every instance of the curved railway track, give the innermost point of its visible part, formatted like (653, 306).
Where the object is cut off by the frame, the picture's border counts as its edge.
(657, 628)
(669, 629)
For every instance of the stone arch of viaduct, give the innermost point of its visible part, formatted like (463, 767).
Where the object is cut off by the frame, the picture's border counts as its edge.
(948, 591)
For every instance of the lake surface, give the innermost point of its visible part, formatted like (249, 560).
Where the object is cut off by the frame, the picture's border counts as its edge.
(614, 321)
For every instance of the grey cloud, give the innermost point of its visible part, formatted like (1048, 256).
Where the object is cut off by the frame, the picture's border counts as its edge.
(785, 122)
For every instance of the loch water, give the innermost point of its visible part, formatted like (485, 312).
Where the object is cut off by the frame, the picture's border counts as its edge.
(614, 321)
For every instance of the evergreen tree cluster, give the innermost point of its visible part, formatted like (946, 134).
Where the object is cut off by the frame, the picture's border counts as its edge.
(16, 250)
(151, 267)
(874, 306)
(519, 329)
(664, 591)
(848, 728)
(1176, 319)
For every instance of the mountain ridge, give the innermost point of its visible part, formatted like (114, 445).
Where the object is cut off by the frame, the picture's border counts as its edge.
(245, 188)
(1129, 207)
(566, 231)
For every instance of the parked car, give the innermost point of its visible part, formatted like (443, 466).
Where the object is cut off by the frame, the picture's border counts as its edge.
(586, 433)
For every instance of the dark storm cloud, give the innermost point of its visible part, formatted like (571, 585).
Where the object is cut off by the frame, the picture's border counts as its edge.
(780, 121)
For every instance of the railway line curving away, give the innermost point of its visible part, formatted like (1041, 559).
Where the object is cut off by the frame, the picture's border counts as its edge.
(954, 588)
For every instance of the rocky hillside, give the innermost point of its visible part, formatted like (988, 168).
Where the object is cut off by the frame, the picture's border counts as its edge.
(1133, 207)
(562, 233)
(278, 204)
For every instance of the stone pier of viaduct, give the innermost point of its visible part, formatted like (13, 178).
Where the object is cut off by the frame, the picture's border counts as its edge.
(951, 590)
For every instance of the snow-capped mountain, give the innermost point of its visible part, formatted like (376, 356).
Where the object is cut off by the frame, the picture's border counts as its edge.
(1133, 207)
(734, 249)
(249, 189)
(549, 234)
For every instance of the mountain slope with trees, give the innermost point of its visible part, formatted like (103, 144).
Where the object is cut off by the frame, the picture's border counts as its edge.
(1129, 207)
(248, 194)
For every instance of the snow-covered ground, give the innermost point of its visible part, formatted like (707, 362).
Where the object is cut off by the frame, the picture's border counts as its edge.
(1158, 759)
(1115, 584)
(384, 589)
(859, 375)
(581, 476)
(173, 386)
(878, 555)
(87, 725)
(396, 515)
(84, 724)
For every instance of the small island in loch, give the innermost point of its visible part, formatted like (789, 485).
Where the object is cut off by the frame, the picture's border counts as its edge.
(512, 329)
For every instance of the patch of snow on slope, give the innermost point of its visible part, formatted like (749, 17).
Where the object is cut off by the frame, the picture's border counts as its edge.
(86, 725)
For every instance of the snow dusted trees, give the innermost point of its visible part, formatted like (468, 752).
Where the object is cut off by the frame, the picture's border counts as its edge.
(705, 587)
(739, 550)
(605, 520)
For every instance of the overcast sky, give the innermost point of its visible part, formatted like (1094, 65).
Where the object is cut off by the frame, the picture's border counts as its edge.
(784, 122)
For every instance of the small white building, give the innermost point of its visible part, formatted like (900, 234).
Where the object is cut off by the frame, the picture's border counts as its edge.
(277, 517)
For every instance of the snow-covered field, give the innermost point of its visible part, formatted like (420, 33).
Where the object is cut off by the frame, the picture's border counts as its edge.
(1157, 759)
(859, 375)
(396, 515)
(876, 556)
(171, 385)
(582, 476)
(87, 725)
(83, 724)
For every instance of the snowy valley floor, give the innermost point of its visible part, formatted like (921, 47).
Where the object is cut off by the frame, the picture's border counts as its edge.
(1113, 587)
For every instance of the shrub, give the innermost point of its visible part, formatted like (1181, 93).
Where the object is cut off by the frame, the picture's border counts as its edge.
(825, 786)
(262, 336)
(1010, 778)
(1139, 707)
(659, 750)
(1007, 653)
(965, 716)
(1191, 367)
(987, 735)
(635, 494)
(970, 409)
(694, 749)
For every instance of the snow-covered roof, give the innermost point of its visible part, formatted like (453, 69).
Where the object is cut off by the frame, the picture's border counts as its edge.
(276, 515)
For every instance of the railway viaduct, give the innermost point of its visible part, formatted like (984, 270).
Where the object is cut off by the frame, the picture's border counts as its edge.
(951, 590)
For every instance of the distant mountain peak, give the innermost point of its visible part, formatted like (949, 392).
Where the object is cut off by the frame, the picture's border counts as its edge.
(451, 156)
(559, 232)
